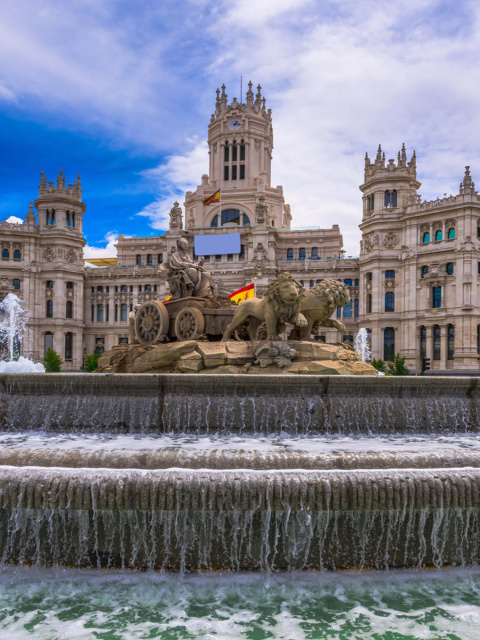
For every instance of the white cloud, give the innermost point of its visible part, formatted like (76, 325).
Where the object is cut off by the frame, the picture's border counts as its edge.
(108, 251)
(172, 179)
(15, 220)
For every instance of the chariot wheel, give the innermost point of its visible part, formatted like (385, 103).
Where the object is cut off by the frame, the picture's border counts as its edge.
(151, 322)
(189, 324)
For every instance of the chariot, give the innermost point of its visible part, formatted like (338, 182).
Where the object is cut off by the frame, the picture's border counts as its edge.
(183, 319)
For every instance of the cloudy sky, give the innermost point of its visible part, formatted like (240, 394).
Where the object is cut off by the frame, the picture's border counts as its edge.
(122, 92)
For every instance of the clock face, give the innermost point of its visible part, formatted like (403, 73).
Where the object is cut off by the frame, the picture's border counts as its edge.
(234, 124)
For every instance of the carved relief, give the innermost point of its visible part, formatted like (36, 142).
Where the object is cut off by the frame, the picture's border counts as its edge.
(6, 284)
(49, 254)
(371, 242)
(70, 255)
(390, 240)
(261, 211)
(257, 144)
(260, 256)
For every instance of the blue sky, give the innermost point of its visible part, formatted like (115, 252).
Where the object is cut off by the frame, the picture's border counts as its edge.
(122, 92)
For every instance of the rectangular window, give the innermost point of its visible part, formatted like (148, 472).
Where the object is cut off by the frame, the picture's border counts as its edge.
(436, 342)
(100, 313)
(229, 257)
(234, 172)
(73, 219)
(123, 313)
(218, 258)
(116, 312)
(242, 172)
(93, 313)
(226, 154)
(225, 173)
(436, 297)
(242, 153)
(234, 153)
(241, 255)
(206, 258)
(423, 342)
(107, 312)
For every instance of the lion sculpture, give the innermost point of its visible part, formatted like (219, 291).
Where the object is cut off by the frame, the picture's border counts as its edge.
(318, 305)
(280, 304)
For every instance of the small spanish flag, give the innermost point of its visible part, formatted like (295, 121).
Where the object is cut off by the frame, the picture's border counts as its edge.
(243, 294)
(214, 198)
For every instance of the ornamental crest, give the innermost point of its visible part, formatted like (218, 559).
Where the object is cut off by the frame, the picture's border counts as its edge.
(390, 240)
(70, 255)
(49, 254)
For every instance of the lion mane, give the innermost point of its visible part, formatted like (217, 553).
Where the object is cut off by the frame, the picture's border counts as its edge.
(284, 309)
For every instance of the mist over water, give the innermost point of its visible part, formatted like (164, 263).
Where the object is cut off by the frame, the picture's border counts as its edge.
(83, 605)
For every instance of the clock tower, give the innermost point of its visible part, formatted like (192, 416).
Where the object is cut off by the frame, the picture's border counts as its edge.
(240, 144)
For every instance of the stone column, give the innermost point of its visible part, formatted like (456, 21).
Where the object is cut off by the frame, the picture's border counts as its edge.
(443, 348)
(430, 343)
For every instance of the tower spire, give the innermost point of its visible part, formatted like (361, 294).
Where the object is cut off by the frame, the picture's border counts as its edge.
(250, 95)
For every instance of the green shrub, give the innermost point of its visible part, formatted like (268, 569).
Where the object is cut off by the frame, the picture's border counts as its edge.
(52, 361)
(396, 366)
(91, 362)
(378, 364)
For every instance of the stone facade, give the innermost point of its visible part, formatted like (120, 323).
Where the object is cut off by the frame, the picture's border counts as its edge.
(414, 285)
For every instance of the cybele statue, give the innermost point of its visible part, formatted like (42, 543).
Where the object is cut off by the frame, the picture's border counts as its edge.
(185, 276)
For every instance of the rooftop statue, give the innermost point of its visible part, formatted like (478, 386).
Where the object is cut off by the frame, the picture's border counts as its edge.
(186, 277)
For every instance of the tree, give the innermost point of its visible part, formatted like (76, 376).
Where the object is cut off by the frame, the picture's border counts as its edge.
(378, 364)
(396, 366)
(91, 362)
(52, 361)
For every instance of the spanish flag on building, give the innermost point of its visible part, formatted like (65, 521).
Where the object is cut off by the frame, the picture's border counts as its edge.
(214, 198)
(243, 294)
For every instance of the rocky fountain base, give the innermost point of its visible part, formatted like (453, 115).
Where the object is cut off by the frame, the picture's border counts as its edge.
(261, 356)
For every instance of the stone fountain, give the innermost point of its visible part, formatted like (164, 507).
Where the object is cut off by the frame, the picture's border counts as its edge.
(240, 471)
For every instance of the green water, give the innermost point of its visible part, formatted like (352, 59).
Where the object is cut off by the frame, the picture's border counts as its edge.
(72, 605)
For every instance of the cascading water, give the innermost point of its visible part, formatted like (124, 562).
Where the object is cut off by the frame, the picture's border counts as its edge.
(13, 320)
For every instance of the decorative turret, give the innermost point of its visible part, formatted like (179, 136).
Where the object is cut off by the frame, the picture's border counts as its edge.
(30, 217)
(60, 207)
(467, 186)
(379, 168)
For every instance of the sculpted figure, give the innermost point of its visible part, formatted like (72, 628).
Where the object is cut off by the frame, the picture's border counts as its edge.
(318, 305)
(280, 304)
(186, 277)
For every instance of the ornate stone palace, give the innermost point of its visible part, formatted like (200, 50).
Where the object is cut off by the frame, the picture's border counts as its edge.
(414, 286)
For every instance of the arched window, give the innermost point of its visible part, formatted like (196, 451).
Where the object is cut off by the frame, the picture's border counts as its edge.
(52, 217)
(100, 288)
(388, 343)
(347, 309)
(48, 341)
(451, 234)
(73, 219)
(424, 271)
(5, 254)
(348, 282)
(69, 285)
(214, 222)
(68, 346)
(450, 341)
(389, 301)
(356, 307)
(226, 153)
(369, 303)
(369, 276)
(370, 203)
(124, 288)
(246, 220)
(438, 235)
(301, 254)
(149, 259)
(160, 258)
(234, 151)
(449, 268)
(426, 237)
(47, 217)
(69, 309)
(49, 309)
(16, 283)
(423, 342)
(436, 297)
(99, 312)
(289, 254)
(437, 341)
(123, 313)
(314, 254)
(148, 287)
(389, 274)
(138, 259)
(230, 216)
(49, 284)
(67, 218)
(17, 254)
